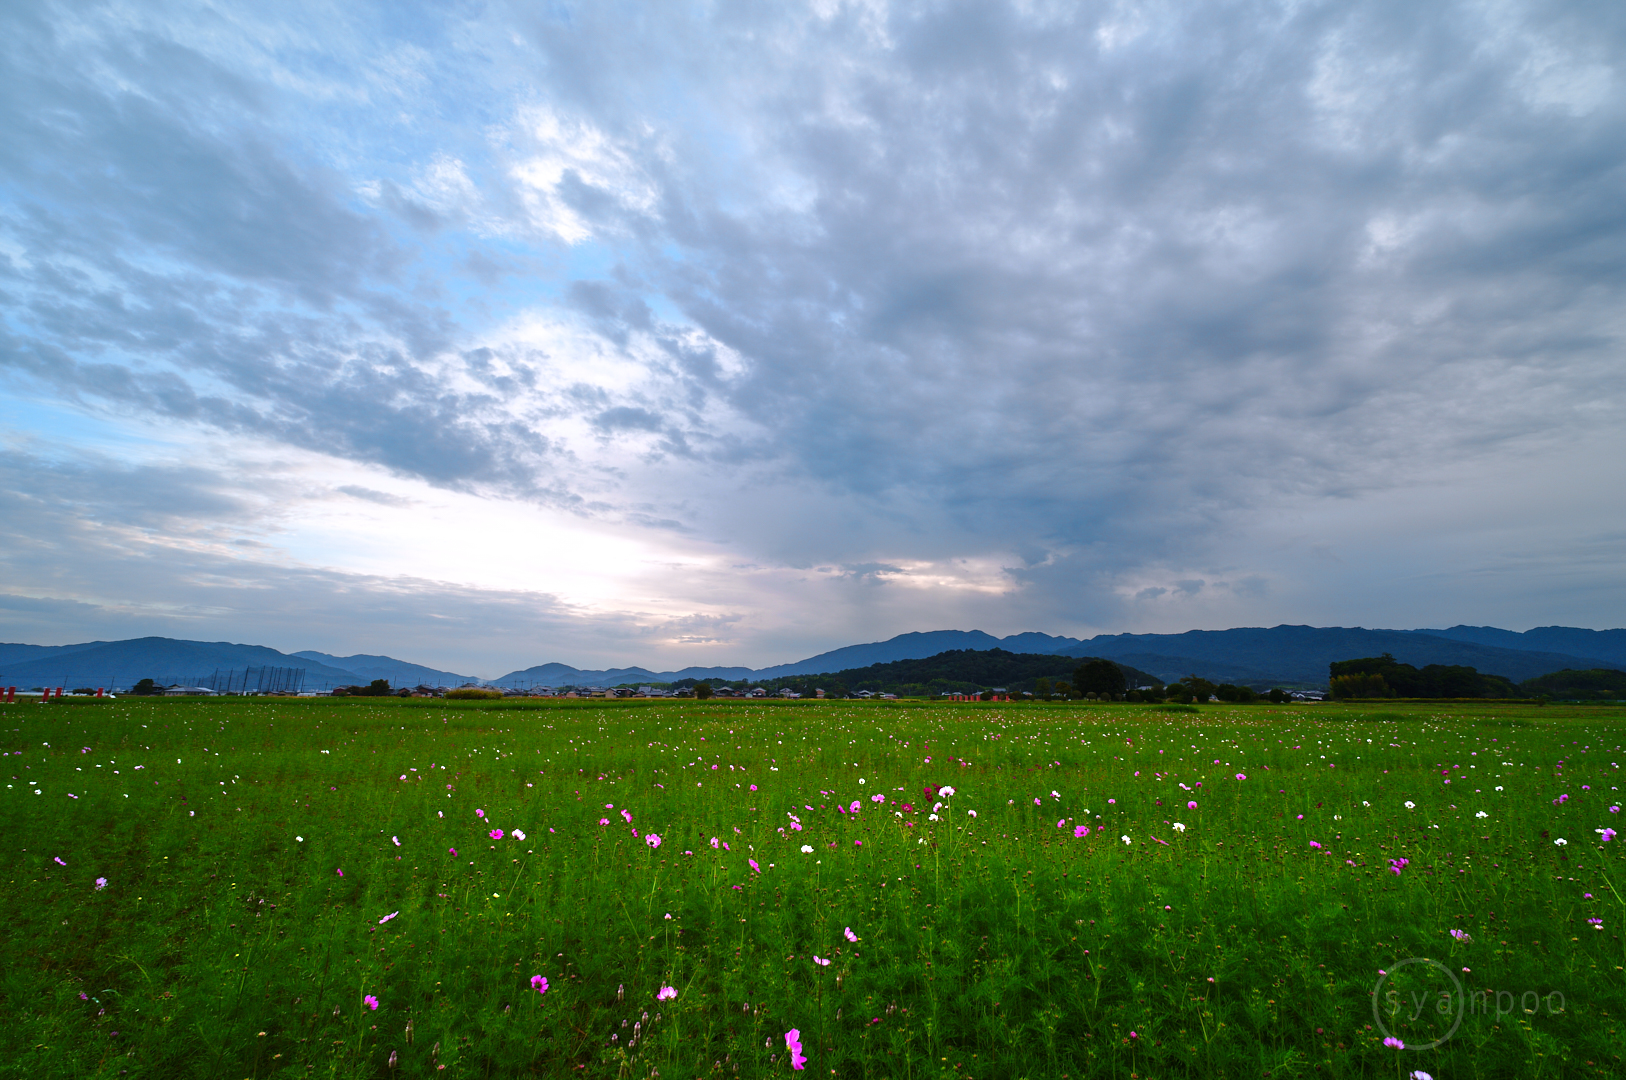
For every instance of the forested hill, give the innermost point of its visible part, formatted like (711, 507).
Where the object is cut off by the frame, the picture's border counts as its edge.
(955, 671)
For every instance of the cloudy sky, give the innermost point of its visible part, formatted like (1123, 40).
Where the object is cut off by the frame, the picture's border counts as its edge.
(489, 334)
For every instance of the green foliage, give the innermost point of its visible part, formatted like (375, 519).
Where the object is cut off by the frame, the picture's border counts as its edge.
(1591, 685)
(473, 693)
(702, 690)
(958, 671)
(226, 944)
(1359, 686)
(1097, 676)
(1433, 681)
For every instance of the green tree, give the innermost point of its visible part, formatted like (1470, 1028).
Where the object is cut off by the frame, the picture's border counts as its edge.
(1097, 676)
(702, 690)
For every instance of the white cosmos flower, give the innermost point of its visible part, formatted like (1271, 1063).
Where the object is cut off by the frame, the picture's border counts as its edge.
(1365, 803)
(519, 834)
(1125, 839)
(1410, 805)
(1179, 827)
(1561, 842)
(973, 813)
(1482, 814)
(807, 849)
(299, 839)
(931, 817)
(946, 791)
(1055, 794)
(1498, 787)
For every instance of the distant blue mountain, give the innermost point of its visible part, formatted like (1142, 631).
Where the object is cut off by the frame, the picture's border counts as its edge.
(1255, 655)
(1607, 645)
(124, 663)
(396, 672)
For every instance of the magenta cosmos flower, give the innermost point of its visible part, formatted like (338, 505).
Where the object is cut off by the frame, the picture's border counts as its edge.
(793, 1043)
(652, 840)
(496, 834)
(371, 1002)
(1191, 806)
(666, 993)
(539, 983)
(1080, 832)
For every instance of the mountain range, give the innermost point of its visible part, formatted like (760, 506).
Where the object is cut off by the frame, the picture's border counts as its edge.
(1259, 656)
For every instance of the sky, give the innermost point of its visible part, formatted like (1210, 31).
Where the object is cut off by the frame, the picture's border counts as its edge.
(491, 334)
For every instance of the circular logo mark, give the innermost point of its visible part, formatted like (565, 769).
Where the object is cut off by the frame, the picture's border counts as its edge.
(1377, 993)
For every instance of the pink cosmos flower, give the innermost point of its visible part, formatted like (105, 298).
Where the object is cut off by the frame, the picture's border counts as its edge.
(1036, 801)
(58, 860)
(1315, 845)
(652, 840)
(1080, 831)
(848, 933)
(858, 843)
(388, 917)
(855, 806)
(371, 1002)
(480, 813)
(397, 840)
(603, 821)
(754, 865)
(1191, 806)
(1607, 834)
(339, 870)
(1458, 934)
(821, 961)
(714, 843)
(101, 883)
(452, 852)
(793, 1043)
(1241, 776)
(1062, 824)
(627, 814)
(496, 834)
(1394, 1043)
(539, 983)
(666, 993)
(753, 787)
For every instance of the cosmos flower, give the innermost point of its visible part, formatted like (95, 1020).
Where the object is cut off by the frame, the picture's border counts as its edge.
(652, 840)
(1080, 831)
(539, 983)
(1394, 1043)
(1410, 805)
(807, 849)
(1596, 924)
(946, 791)
(603, 821)
(855, 806)
(1191, 806)
(1460, 935)
(1062, 824)
(1125, 839)
(754, 867)
(479, 813)
(496, 834)
(1315, 844)
(1481, 814)
(1178, 827)
(388, 917)
(101, 883)
(971, 813)
(821, 961)
(1241, 776)
(666, 993)
(1561, 842)
(714, 843)
(793, 1043)
(849, 935)
(397, 840)
(371, 1002)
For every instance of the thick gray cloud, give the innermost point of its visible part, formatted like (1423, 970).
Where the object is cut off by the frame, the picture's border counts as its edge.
(1145, 303)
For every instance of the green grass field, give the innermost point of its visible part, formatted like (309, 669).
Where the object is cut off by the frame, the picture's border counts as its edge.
(174, 904)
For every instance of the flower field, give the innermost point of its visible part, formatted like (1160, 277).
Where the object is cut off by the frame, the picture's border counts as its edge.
(384, 888)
